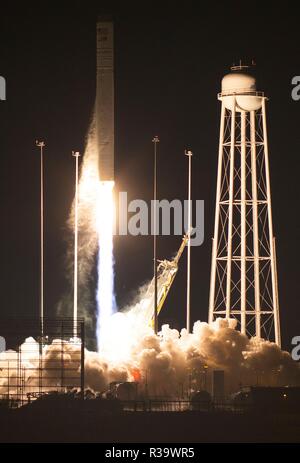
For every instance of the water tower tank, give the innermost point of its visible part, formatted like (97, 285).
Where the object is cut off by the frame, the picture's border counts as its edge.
(239, 88)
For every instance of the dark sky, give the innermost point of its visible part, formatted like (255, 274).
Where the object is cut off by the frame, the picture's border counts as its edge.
(169, 63)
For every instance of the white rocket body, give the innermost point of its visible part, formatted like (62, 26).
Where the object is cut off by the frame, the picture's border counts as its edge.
(105, 100)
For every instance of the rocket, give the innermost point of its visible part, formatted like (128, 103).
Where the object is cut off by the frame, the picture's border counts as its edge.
(105, 124)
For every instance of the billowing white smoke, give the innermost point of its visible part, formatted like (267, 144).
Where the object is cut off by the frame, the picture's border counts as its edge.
(166, 364)
(172, 361)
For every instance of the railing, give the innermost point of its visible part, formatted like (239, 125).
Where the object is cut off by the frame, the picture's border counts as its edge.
(181, 406)
(241, 91)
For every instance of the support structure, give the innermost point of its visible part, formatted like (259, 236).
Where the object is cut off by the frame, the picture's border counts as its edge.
(243, 282)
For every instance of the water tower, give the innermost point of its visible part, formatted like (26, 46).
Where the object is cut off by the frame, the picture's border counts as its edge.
(243, 282)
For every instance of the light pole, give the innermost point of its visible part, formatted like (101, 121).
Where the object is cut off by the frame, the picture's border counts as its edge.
(155, 141)
(188, 291)
(76, 154)
(41, 145)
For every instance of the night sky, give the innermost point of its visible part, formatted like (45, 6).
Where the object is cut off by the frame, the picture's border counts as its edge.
(168, 67)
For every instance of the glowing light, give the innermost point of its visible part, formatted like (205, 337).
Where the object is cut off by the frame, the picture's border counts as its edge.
(117, 338)
(105, 292)
(136, 374)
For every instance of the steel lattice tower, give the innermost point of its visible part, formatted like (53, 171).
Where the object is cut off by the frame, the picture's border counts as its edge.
(243, 281)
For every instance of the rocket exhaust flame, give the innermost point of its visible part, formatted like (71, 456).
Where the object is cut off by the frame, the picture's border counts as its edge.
(105, 291)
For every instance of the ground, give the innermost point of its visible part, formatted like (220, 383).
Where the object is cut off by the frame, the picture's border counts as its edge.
(57, 424)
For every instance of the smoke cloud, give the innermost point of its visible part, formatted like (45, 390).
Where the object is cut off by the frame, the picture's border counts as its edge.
(168, 364)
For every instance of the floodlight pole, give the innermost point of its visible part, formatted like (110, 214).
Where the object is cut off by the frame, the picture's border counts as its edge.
(188, 290)
(41, 145)
(76, 154)
(155, 318)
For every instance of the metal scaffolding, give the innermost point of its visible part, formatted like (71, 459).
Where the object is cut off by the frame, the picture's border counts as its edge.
(36, 365)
